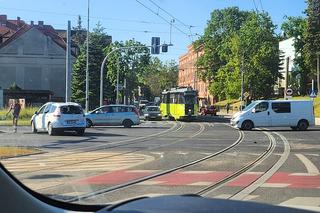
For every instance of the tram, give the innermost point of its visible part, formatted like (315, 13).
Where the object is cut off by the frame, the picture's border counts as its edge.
(179, 103)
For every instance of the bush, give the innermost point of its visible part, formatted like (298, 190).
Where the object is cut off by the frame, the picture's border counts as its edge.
(25, 114)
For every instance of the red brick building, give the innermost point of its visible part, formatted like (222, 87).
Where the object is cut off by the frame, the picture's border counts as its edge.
(188, 76)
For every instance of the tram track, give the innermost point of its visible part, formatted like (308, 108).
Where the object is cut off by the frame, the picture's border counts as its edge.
(162, 173)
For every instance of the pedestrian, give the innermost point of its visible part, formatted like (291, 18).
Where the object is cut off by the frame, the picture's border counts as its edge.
(15, 108)
(228, 108)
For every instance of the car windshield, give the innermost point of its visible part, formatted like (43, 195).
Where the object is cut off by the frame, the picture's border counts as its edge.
(106, 101)
(152, 109)
(249, 106)
(70, 109)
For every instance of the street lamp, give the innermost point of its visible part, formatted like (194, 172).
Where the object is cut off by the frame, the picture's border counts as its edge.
(87, 63)
(318, 77)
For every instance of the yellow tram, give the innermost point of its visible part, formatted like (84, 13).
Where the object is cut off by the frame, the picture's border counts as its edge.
(179, 103)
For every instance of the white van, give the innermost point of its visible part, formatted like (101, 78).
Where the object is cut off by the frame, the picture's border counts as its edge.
(297, 114)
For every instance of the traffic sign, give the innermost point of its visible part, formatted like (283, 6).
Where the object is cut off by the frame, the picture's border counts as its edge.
(246, 94)
(313, 94)
(289, 92)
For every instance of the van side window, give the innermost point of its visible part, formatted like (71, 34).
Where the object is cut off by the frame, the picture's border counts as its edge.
(281, 107)
(261, 107)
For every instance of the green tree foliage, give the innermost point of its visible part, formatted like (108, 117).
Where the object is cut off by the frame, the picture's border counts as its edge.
(160, 76)
(97, 43)
(236, 39)
(312, 45)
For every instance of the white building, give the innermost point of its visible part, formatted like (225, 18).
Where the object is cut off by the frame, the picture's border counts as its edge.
(287, 54)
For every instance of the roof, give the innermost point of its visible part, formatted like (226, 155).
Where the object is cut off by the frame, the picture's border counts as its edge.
(47, 30)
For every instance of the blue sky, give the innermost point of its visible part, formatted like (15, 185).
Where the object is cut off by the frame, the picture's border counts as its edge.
(126, 19)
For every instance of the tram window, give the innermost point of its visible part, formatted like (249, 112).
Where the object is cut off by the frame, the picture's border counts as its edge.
(190, 99)
(171, 98)
(180, 99)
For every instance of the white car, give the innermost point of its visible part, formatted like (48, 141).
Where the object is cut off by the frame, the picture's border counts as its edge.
(113, 115)
(55, 117)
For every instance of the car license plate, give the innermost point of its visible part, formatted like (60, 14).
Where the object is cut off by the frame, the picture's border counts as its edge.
(71, 122)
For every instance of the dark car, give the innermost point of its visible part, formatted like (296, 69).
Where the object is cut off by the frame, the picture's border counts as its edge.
(209, 110)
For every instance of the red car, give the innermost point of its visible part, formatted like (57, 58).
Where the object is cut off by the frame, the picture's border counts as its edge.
(210, 110)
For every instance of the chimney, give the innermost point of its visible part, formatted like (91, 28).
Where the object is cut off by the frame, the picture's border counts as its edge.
(31, 23)
(40, 23)
(3, 20)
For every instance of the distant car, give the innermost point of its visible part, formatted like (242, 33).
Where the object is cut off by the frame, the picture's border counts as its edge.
(57, 117)
(152, 113)
(210, 110)
(113, 115)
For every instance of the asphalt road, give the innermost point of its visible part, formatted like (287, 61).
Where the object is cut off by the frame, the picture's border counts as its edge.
(210, 158)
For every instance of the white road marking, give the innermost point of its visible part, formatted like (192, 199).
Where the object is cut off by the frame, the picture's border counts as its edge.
(311, 168)
(250, 197)
(275, 185)
(182, 153)
(158, 153)
(223, 196)
(308, 203)
(200, 183)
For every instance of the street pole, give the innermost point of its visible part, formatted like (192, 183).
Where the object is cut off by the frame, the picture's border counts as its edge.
(68, 64)
(242, 86)
(87, 63)
(118, 69)
(318, 78)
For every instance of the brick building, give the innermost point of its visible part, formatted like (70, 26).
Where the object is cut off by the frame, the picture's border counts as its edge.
(188, 76)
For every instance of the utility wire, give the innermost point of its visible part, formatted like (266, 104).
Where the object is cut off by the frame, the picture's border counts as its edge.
(261, 5)
(156, 13)
(255, 6)
(84, 16)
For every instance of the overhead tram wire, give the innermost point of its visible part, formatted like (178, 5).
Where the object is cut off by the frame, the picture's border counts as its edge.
(84, 16)
(255, 6)
(164, 19)
(173, 17)
(261, 5)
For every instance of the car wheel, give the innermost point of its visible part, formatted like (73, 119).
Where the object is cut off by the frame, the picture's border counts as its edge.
(80, 132)
(303, 125)
(88, 123)
(127, 123)
(247, 125)
(33, 128)
(51, 130)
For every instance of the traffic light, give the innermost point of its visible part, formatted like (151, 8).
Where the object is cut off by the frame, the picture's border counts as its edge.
(164, 48)
(155, 45)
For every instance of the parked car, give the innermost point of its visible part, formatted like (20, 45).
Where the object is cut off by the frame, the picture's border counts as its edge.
(152, 113)
(210, 110)
(297, 114)
(113, 115)
(57, 117)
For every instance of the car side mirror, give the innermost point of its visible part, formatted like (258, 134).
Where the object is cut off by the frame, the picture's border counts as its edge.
(36, 112)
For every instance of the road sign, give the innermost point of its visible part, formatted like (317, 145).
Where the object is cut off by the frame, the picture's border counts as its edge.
(246, 94)
(289, 92)
(313, 94)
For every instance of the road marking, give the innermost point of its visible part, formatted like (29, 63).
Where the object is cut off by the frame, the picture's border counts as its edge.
(182, 153)
(158, 153)
(250, 197)
(200, 183)
(222, 196)
(263, 178)
(309, 203)
(311, 168)
(275, 185)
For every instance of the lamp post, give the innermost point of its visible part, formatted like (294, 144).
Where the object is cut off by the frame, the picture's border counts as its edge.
(87, 63)
(318, 75)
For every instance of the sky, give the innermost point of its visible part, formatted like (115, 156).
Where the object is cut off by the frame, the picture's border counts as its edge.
(143, 19)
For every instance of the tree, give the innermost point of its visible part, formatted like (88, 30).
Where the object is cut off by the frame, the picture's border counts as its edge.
(98, 42)
(79, 36)
(312, 44)
(235, 40)
(132, 62)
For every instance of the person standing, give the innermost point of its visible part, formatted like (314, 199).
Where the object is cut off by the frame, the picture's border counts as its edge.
(228, 108)
(15, 108)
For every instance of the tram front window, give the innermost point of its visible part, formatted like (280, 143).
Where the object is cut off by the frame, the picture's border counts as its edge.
(190, 99)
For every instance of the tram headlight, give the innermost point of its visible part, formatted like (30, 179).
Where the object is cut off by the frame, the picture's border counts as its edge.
(189, 110)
